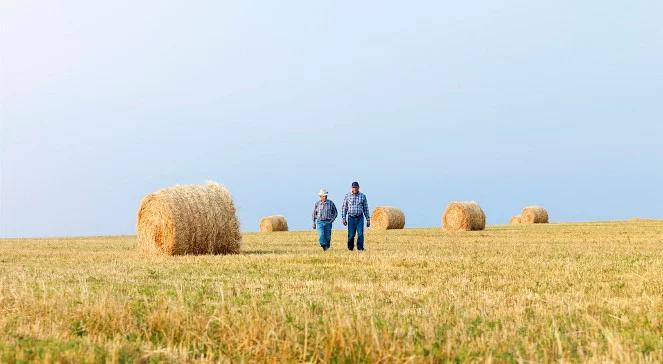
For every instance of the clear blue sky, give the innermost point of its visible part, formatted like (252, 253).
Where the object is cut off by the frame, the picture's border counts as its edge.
(510, 103)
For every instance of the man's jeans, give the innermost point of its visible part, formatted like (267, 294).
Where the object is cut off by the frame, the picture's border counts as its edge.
(324, 230)
(356, 226)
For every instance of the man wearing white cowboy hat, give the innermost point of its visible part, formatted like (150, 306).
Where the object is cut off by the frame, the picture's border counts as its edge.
(324, 214)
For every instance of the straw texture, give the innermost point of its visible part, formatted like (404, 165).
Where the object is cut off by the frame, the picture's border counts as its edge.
(273, 223)
(534, 215)
(387, 217)
(464, 216)
(515, 220)
(193, 219)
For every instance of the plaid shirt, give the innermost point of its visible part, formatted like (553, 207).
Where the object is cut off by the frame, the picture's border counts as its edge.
(355, 205)
(324, 211)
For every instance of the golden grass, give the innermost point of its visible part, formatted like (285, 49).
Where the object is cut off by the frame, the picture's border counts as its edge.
(526, 293)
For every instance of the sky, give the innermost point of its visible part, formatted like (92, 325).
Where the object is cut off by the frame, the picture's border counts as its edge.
(509, 103)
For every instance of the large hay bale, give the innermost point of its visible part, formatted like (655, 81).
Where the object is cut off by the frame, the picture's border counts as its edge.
(534, 215)
(464, 216)
(273, 223)
(387, 217)
(515, 220)
(195, 219)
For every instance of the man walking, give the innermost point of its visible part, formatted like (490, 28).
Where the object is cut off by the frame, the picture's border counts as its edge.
(324, 214)
(355, 208)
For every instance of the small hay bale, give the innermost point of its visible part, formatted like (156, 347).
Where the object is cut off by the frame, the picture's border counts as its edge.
(193, 219)
(464, 216)
(387, 217)
(534, 215)
(273, 223)
(515, 220)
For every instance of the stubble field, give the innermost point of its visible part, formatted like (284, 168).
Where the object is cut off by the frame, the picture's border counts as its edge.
(547, 293)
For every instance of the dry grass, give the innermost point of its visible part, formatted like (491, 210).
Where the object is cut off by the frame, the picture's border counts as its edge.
(526, 293)
(273, 223)
(194, 219)
(387, 218)
(464, 216)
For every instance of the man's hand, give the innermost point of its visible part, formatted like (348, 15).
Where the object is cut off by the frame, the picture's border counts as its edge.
(313, 226)
(345, 222)
(368, 224)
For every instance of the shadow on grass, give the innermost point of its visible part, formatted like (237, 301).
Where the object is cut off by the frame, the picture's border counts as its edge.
(263, 252)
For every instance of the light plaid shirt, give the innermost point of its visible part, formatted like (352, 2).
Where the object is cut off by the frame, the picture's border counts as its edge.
(355, 205)
(324, 211)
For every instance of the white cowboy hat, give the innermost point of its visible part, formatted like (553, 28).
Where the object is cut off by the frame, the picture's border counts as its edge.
(323, 192)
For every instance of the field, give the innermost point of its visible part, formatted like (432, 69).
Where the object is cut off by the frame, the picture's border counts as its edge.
(547, 293)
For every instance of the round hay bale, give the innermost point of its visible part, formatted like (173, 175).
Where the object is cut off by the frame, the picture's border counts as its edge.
(194, 219)
(387, 217)
(534, 215)
(464, 216)
(515, 220)
(273, 223)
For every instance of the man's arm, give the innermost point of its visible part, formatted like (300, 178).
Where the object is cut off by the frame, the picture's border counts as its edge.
(334, 212)
(367, 212)
(315, 207)
(344, 209)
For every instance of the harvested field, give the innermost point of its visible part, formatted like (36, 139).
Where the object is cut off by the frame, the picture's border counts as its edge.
(539, 293)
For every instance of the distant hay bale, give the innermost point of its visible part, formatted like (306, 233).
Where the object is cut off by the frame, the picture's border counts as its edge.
(534, 215)
(387, 217)
(193, 219)
(516, 220)
(273, 223)
(464, 216)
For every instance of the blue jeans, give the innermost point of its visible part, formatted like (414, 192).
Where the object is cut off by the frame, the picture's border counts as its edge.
(356, 226)
(324, 230)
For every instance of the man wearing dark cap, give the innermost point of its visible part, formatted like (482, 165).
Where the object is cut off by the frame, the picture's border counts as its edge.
(355, 208)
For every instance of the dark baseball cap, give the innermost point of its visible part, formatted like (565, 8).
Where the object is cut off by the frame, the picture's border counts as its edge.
(355, 184)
